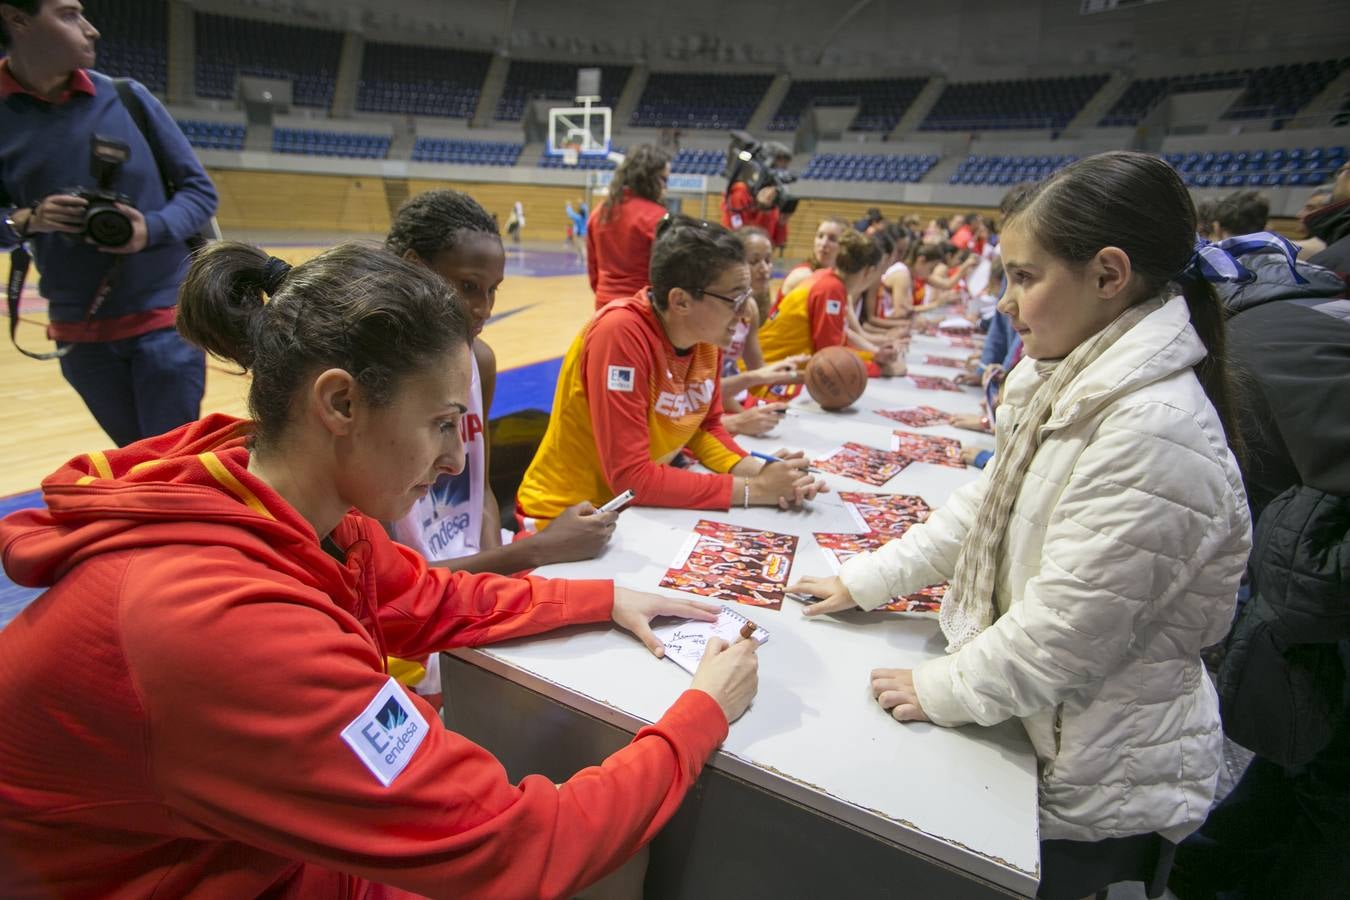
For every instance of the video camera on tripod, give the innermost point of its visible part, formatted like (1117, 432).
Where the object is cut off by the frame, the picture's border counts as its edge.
(752, 162)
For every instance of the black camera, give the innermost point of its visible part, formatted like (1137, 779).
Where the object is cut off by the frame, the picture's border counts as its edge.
(752, 162)
(104, 223)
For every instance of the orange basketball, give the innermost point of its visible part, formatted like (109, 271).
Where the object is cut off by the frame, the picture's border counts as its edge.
(835, 377)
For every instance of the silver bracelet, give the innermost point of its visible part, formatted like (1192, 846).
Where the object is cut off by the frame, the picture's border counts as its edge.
(746, 502)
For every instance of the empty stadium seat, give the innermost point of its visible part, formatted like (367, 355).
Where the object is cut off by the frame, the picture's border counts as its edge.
(313, 142)
(881, 101)
(1030, 103)
(229, 47)
(528, 79)
(213, 135)
(699, 100)
(134, 40)
(889, 167)
(473, 153)
(423, 81)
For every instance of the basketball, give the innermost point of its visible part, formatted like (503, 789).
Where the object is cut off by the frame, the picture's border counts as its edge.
(836, 377)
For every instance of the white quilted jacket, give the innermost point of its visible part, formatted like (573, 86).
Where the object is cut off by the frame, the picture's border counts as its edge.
(1121, 561)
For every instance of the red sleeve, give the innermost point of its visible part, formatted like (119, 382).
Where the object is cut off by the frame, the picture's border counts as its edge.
(424, 608)
(619, 421)
(826, 310)
(246, 693)
(779, 234)
(737, 202)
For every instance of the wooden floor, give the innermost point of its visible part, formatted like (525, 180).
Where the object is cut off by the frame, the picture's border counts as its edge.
(43, 422)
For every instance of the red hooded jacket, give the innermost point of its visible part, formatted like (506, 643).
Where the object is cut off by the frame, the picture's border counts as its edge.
(172, 709)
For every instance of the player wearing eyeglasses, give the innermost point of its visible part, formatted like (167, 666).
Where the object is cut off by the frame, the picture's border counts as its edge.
(640, 383)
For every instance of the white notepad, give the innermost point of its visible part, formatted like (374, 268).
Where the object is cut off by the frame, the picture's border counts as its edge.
(685, 641)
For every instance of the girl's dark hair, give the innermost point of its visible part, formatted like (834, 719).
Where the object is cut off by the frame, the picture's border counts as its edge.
(1138, 203)
(690, 254)
(642, 172)
(885, 242)
(355, 307)
(857, 251)
(433, 221)
(930, 252)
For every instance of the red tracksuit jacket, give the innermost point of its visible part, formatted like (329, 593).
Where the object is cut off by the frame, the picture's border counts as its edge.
(179, 711)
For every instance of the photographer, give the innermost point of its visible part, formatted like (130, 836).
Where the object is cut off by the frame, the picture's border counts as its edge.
(67, 135)
(756, 194)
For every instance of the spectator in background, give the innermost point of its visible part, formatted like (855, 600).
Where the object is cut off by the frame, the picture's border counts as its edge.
(1241, 212)
(824, 251)
(872, 215)
(742, 362)
(621, 231)
(515, 223)
(112, 308)
(1284, 830)
(1331, 224)
(1204, 218)
(739, 208)
(1307, 243)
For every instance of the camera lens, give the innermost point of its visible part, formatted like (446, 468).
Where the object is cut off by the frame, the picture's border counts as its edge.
(107, 225)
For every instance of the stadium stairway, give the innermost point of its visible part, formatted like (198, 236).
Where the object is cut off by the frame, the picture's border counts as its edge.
(919, 109)
(1099, 105)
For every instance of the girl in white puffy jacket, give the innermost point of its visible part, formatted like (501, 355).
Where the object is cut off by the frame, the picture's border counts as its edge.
(1101, 550)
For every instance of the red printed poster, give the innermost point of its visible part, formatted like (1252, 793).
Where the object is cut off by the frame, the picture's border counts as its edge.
(732, 563)
(917, 416)
(889, 515)
(929, 383)
(966, 342)
(839, 548)
(950, 362)
(861, 463)
(927, 448)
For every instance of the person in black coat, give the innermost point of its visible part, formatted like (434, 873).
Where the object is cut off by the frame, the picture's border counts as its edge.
(1284, 831)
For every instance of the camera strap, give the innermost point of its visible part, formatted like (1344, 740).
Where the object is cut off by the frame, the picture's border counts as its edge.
(136, 109)
(19, 261)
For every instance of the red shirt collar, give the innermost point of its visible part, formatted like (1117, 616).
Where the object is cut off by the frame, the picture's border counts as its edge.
(80, 83)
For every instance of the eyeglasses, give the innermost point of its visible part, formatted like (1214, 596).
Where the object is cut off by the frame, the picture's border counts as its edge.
(738, 304)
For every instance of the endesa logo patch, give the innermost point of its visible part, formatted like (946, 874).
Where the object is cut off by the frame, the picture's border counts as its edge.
(620, 378)
(833, 307)
(387, 733)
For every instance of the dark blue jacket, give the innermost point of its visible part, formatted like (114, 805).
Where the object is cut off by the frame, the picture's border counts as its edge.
(44, 149)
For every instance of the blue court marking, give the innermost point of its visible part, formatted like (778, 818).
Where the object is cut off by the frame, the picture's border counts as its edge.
(497, 317)
(526, 387)
(542, 263)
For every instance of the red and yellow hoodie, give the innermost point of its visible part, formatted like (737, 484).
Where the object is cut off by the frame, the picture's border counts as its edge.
(626, 403)
(177, 710)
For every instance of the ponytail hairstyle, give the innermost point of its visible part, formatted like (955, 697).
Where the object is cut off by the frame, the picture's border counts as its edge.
(355, 307)
(1135, 202)
(642, 172)
(433, 221)
(857, 251)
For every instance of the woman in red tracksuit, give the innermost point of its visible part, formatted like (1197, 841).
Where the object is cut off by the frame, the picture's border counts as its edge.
(198, 703)
(621, 231)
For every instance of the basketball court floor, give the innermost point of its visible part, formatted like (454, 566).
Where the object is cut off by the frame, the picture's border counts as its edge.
(543, 301)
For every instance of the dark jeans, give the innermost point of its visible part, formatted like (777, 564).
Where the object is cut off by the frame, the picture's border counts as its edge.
(1071, 870)
(140, 386)
(1281, 833)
